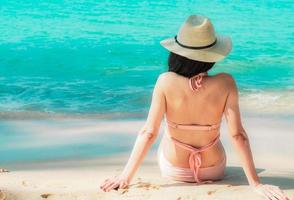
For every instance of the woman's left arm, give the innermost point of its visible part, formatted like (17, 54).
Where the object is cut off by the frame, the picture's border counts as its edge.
(144, 141)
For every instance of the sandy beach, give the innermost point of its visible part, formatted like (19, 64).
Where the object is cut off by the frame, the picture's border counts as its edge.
(80, 178)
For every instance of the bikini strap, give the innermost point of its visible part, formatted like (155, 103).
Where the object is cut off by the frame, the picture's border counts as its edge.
(195, 81)
(195, 159)
(192, 126)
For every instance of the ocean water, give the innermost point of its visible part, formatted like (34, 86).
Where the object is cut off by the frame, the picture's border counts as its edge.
(103, 57)
(34, 140)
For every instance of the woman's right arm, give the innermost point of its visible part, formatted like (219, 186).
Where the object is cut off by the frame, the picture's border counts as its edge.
(241, 144)
(238, 134)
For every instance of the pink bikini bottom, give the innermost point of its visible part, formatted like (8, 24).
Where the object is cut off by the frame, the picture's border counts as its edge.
(186, 174)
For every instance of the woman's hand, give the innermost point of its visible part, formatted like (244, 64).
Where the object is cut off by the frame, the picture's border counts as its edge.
(271, 192)
(117, 182)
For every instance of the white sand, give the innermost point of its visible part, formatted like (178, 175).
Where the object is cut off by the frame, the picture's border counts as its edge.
(271, 141)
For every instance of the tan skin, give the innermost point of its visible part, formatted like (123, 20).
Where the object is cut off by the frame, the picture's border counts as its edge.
(173, 97)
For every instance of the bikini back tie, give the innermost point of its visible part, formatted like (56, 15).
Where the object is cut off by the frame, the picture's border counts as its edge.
(195, 81)
(195, 160)
(195, 156)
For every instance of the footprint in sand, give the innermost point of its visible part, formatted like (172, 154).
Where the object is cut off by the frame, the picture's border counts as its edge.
(211, 192)
(124, 191)
(146, 185)
(24, 183)
(28, 184)
(140, 184)
(187, 197)
(45, 196)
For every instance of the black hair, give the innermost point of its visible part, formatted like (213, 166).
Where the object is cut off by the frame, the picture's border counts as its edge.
(187, 67)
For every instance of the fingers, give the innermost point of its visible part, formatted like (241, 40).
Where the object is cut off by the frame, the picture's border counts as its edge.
(261, 190)
(114, 183)
(273, 192)
(277, 193)
(107, 185)
(104, 182)
(123, 185)
(102, 185)
(111, 186)
(268, 195)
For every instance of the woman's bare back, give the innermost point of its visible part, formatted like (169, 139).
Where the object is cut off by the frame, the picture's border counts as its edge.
(185, 106)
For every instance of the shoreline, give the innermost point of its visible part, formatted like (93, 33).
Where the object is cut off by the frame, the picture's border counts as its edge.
(76, 178)
(86, 137)
(246, 112)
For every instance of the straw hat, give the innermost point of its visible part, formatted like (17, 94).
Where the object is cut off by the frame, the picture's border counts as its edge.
(197, 40)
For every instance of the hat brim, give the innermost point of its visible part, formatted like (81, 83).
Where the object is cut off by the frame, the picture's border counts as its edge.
(215, 53)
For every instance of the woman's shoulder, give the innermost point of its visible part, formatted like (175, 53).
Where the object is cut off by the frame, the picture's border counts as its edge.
(226, 77)
(227, 81)
(168, 76)
(167, 79)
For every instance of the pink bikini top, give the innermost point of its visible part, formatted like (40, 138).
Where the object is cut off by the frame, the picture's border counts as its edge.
(195, 156)
(192, 127)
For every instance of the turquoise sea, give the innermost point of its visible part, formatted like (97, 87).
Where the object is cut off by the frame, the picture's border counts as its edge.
(101, 58)
(97, 57)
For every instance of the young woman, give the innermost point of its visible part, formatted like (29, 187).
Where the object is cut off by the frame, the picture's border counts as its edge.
(193, 103)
